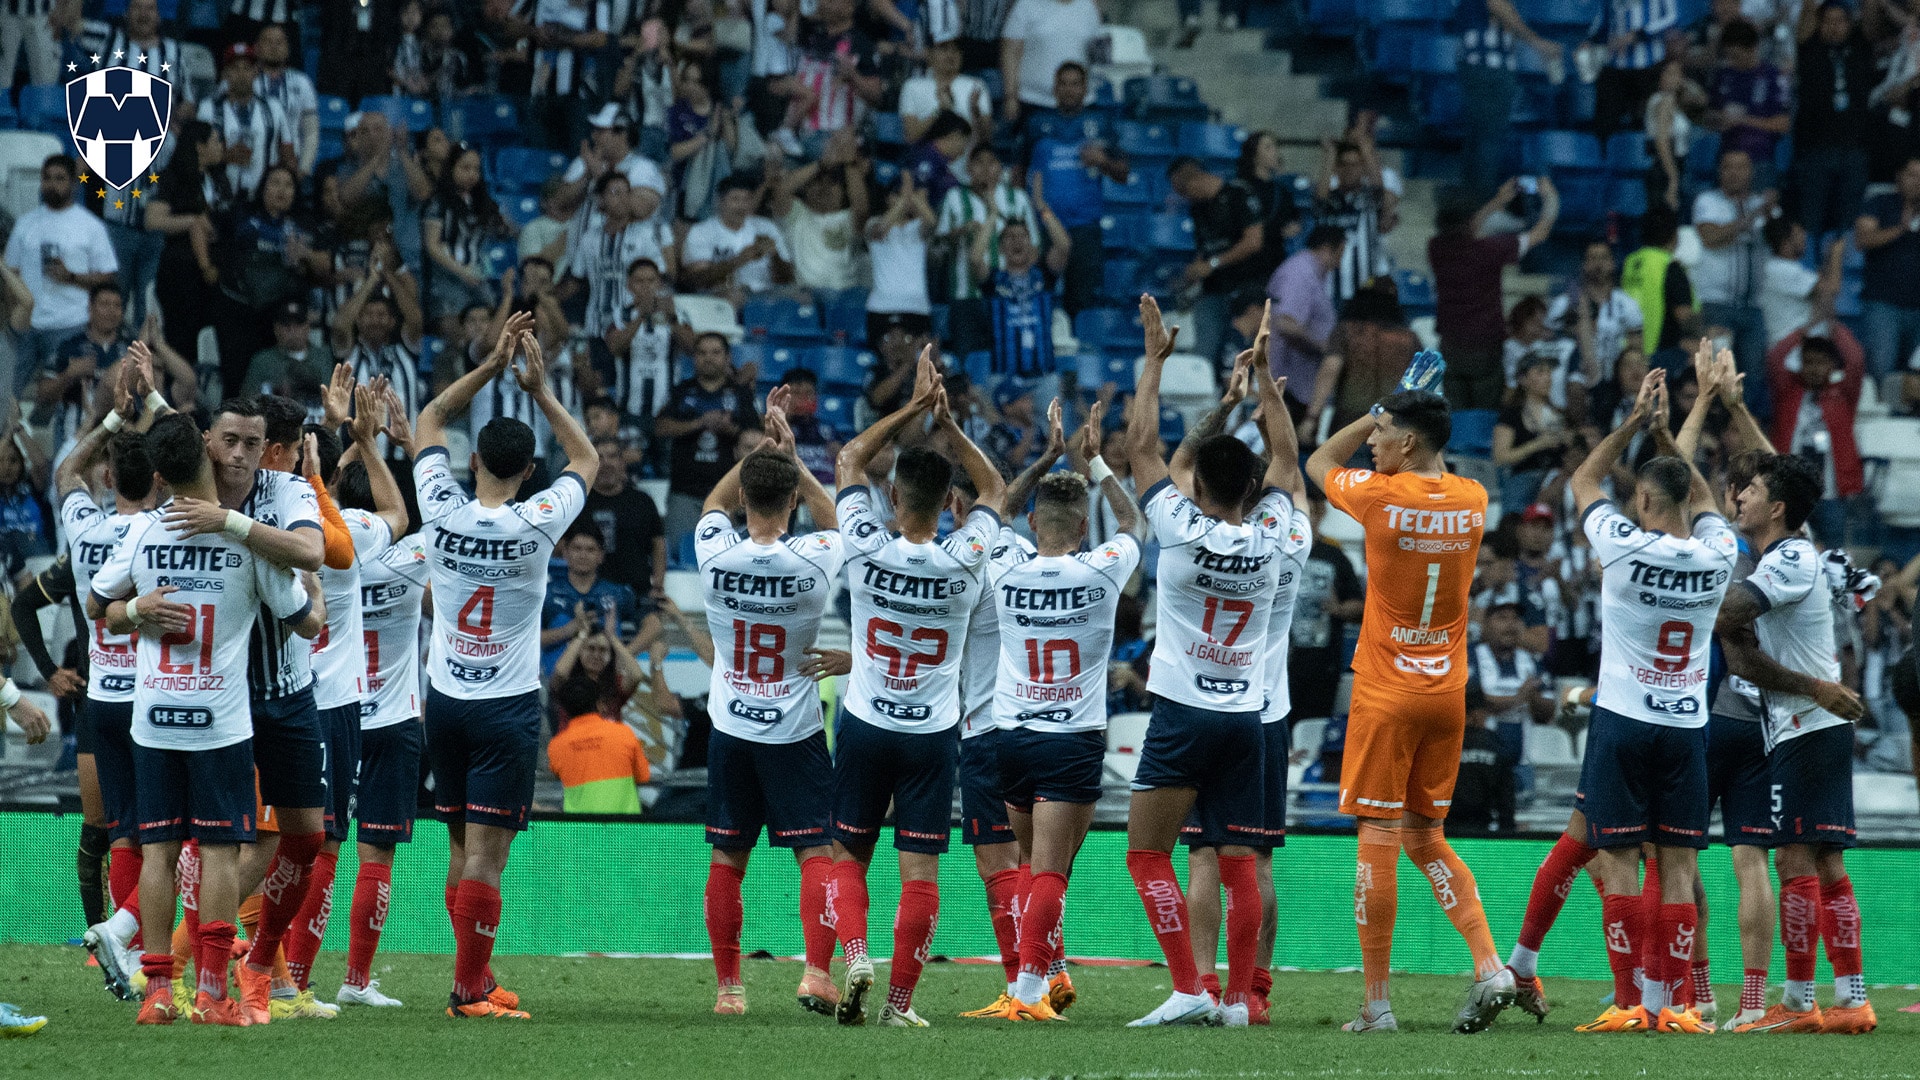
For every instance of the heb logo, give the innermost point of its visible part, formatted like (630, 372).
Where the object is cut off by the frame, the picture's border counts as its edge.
(1210, 685)
(756, 714)
(118, 117)
(1685, 706)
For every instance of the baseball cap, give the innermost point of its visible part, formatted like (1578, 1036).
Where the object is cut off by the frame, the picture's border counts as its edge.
(239, 50)
(610, 115)
(1537, 512)
(293, 311)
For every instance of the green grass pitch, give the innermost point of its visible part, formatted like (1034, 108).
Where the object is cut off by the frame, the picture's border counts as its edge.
(597, 1017)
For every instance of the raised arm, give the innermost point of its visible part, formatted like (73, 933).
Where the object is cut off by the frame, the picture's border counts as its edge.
(370, 415)
(986, 479)
(1339, 449)
(1738, 612)
(1018, 492)
(1276, 426)
(431, 427)
(1126, 516)
(582, 459)
(1587, 478)
(850, 468)
(1215, 422)
(1699, 492)
(1143, 426)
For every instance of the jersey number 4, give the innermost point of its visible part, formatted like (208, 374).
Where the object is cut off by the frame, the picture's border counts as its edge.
(476, 615)
(905, 664)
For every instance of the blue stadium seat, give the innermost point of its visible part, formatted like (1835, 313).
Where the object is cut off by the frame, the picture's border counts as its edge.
(1404, 11)
(1433, 54)
(1473, 432)
(1416, 292)
(332, 146)
(1442, 103)
(1143, 188)
(1165, 97)
(777, 361)
(1101, 94)
(1392, 55)
(841, 366)
(789, 320)
(1163, 278)
(8, 117)
(1569, 14)
(747, 352)
(1217, 142)
(1120, 279)
(1627, 153)
(837, 412)
(1563, 150)
(523, 168)
(1580, 101)
(1627, 196)
(1173, 426)
(44, 108)
(1583, 198)
(978, 367)
(415, 113)
(1703, 157)
(1137, 138)
(1117, 368)
(1302, 190)
(885, 173)
(1107, 328)
(843, 314)
(889, 129)
(1170, 231)
(519, 209)
(684, 556)
(1535, 106)
(482, 119)
(1333, 18)
(1122, 232)
(430, 349)
(333, 112)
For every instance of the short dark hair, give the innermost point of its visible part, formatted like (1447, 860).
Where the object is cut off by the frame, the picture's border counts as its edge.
(327, 441)
(1743, 467)
(768, 480)
(1793, 482)
(1071, 65)
(353, 488)
(177, 450)
(922, 479)
(1776, 231)
(577, 695)
(583, 528)
(1321, 236)
(1180, 164)
(1226, 469)
(800, 377)
(717, 335)
(285, 418)
(1667, 477)
(106, 286)
(1508, 606)
(1454, 209)
(505, 446)
(1659, 228)
(613, 177)
(947, 122)
(246, 407)
(132, 466)
(65, 161)
(637, 264)
(1423, 412)
(737, 182)
(1823, 346)
(1739, 34)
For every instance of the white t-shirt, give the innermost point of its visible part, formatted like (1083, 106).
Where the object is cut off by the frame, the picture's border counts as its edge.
(1787, 297)
(711, 241)
(772, 56)
(191, 689)
(1216, 593)
(982, 662)
(1728, 274)
(822, 247)
(640, 171)
(1056, 634)
(79, 241)
(1797, 632)
(391, 588)
(488, 567)
(1612, 322)
(340, 652)
(911, 606)
(900, 271)
(764, 603)
(1055, 31)
(920, 97)
(1293, 567)
(92, 535)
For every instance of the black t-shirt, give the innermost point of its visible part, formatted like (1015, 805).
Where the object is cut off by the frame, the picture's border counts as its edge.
(1277, 212)
(629, 523)
(1515, 417)
(701, 459)
(1218, 224)
(1483, 794)
(1318, 635)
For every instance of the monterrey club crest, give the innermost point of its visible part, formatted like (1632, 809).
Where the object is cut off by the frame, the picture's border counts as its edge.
(118, 117)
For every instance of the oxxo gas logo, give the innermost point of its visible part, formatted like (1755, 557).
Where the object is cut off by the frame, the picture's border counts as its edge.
(118, 117)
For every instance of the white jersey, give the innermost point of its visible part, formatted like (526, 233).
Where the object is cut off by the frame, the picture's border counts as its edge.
(488, 566)
(391, 588)
(764, 603)
(1293, 568)
(340, 652)
(1659, 597)
(190, 693)
(981, 664)
(1216, 584)
(277, 665)
(911, 606)
(1797, 632)
(1056, 633)
(92, 534)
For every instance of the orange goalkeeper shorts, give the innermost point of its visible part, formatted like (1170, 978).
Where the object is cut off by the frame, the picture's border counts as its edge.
(1403, 752)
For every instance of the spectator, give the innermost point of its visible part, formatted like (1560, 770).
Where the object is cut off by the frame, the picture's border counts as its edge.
(1228, 237)
(25, 522)
(1892, 139)
(702, 419)
(1038, 37)
(1351, 193)
(290, 90)
(182, 212)
(1070, 151)
(1669, 134)
(1497, 581)
(980, 24)
(1750, 102)
(1132, 652)
(815, 442)
(776, 27)
(1703, 38)
(1889, 233)
(61, 252)
(1263, 171)
(1793, 296)
(24, 27)
(64, 395)
(1509, 676)
(609, 148)
(378, 330)
(1330, 598)
(1597, 315)
(499, 37)
(1017, 438)
(581, 600)
(1489, 82)
(932, 160)
(1833, 66)
(1466, 284)
(137, 39)
(292, 366)
(1636, 40)
(736, 251)
(458, 226)
(1729, 219)
(894, 337)
(943, 88)
(546, 236)
(1368, 353)
(1483, 797)
(987, 204)
(136, 248)
(702, 140)
(256, 133)
(824, 225)
(1816, 391)
(269, 259)
(839, 77)
(1529, 338)
(1529, 433)
(599, 761)
(1657, 282)
(599, 258)
(897, 244)
(381, 166)
(574, 65)
(642, 342)
(633, 540)
(1303, 314)
(1020, 301)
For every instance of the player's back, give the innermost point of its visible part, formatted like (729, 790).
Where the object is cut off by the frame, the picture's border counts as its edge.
(1422, 542)
(340, 653)
(278, 665)
(1796, 630)
(1659, 597)
(764, 604)
(1055, 616)
(391, 588)
(1286, 591)
(982, 661)
(92, 534)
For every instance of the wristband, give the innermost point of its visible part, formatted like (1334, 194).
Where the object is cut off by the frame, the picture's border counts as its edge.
(133, 609)
(9, 695)
(238, 525)
(1098, 470)
(155, 401)
(112, 422)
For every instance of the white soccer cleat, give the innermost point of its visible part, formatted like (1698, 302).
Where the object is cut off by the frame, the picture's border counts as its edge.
(1707, 1010)
(1741, 1019)
(852, 1009)
(892, 1017)
(117, 959)
(365, 995)
(1233, 1015)
(1363, 1023)
(1183, 1010)
(1485, 999)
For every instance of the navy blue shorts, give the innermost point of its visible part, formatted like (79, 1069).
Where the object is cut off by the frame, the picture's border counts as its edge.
(1221, 755)
(785, 787)
(483, 754)
(112, 724)
(983, 806)
(340, 727)
(1643, 783)
(873, 766)
(387, 783)
(290, 750)
(1739, 781)
(1276, 744)
(1813, 788)
(203, 794)
(1051, 766)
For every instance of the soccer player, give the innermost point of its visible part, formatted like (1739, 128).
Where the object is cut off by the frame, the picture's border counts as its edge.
(767, 762)
(489, 579)
(1408, 717)
(1645, 774)
(1219, 554)
(1205, 836)
(1056, 631)
(1777, 629)
(898, 737)
(194, 600)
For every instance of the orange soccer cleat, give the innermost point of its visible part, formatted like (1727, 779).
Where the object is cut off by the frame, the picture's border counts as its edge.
(1849, 1019)
(1618, 1019)
(1784, 1021)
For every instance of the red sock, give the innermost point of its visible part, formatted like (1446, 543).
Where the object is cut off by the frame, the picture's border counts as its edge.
(1242, 883)
(724, 918)
(1262, 982)
(1551, 883)
(1044, 902)
(476, 910)
(213, 948)
(1003, 904)
(1840, 927)
(158, 968)
(1800, 925)
(1210, 982)
(1753, 989)
(309, 927)
(1621, 915)
(283, 892)
(1167, 914)
(1645, 933)
(913, 926)
(123, 878)
(847, 895)
(1673, 962)
(816, 922)
(372, 895)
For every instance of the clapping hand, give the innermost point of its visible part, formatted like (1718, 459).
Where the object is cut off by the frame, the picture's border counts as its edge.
(532, 375)
(1159, 340)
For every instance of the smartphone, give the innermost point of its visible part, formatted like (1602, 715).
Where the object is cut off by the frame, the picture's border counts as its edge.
(1529, 185)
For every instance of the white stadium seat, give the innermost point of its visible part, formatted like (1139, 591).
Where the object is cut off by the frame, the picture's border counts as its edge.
(1126, 732)
(1885, 793)
(1309, 734)
(708, 314)
(21, 153)
(1121, 767)
(1548, 745)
